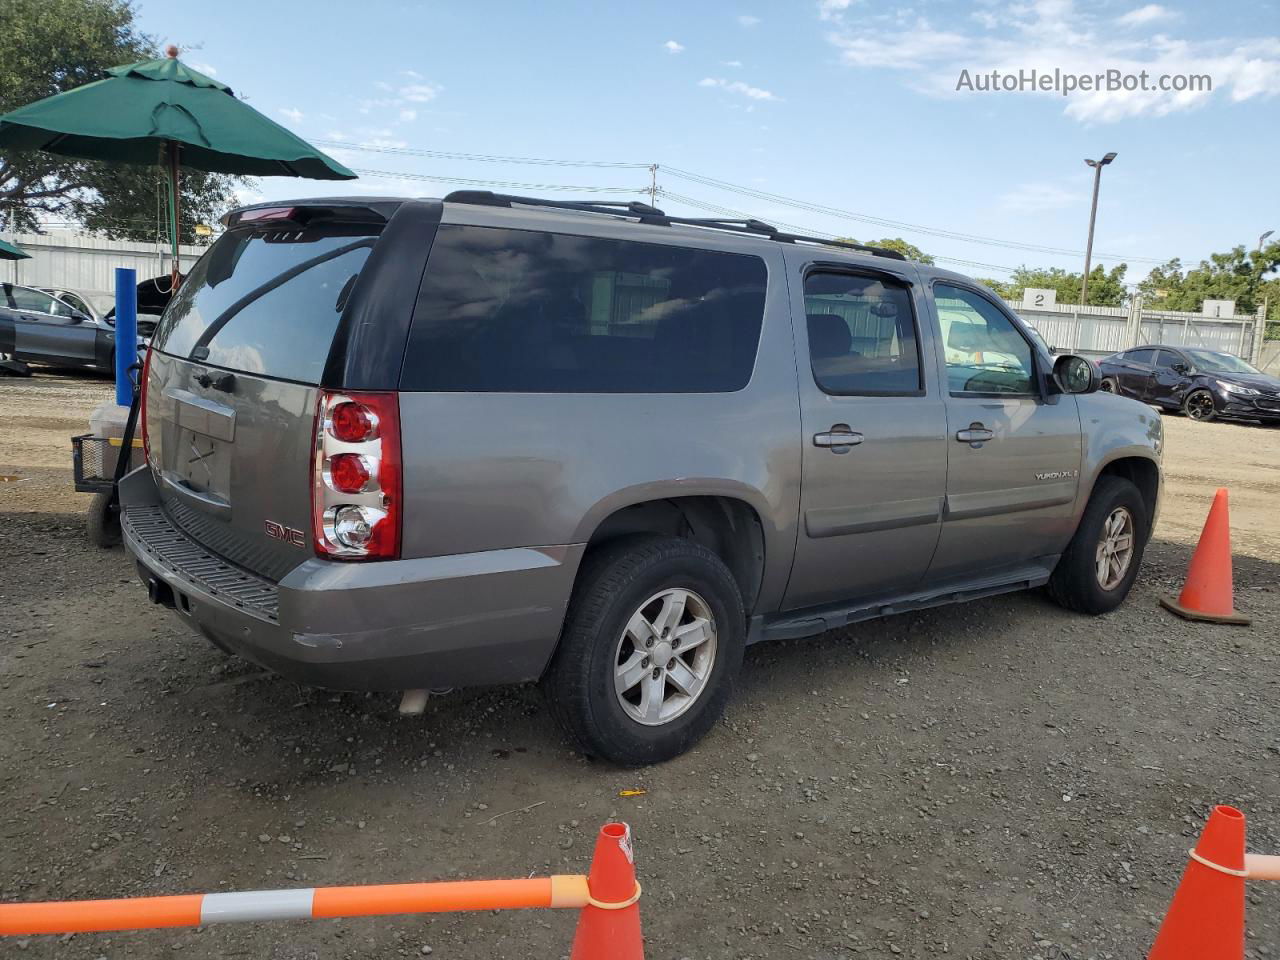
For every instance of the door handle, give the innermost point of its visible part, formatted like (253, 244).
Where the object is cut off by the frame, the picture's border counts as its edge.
(837, 439)
(976, 433)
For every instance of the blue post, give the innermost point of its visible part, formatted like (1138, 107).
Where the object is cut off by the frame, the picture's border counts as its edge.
(126, 333)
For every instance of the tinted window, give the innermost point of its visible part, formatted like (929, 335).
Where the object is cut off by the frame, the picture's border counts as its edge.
(524, 311)
(75, 303)
(266, 301)
(1140, 356)
(24, 298)
(862, 335)
(985, 352)
(1165, 359)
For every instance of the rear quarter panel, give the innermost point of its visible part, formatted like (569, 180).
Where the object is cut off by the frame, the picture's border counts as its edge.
(491, 471)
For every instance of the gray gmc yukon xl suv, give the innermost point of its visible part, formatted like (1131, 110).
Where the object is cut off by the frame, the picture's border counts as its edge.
(406, 444)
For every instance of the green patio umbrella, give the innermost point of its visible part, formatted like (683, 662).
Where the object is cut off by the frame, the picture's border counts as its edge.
(156, 108)
(9, 252)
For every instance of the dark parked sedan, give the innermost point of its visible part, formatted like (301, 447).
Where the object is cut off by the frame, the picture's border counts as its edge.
(1203, 384)
(39, 327)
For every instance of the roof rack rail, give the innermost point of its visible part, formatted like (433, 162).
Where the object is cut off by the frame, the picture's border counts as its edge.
(652, 215)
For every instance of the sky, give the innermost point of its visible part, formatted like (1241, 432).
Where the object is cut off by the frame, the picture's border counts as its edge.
(850, 106)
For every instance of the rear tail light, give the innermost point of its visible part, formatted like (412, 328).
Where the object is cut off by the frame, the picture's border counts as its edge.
(356, 488)
(142, 406)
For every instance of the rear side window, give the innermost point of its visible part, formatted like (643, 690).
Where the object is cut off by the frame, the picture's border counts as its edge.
(530, 312)
(862, 335)
(266, 301)
(1140, 356)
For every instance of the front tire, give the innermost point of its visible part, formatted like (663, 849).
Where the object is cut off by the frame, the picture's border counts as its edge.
(1098, 568)
(652, 642)
(1200, 405)
(1109, 385)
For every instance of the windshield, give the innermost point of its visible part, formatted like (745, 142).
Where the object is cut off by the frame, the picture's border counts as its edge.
(267, 301)
(1211, 362)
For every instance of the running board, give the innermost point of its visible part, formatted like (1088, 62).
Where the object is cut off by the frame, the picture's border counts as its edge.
(815, 620)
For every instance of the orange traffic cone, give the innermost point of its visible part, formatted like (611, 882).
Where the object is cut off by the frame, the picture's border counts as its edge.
(1207, 592)
(609, 926)
(1206, 919)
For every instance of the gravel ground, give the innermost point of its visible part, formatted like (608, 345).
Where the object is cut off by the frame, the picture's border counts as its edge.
(1000, 779)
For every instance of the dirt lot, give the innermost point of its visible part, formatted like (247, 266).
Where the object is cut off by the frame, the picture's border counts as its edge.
(997, 780)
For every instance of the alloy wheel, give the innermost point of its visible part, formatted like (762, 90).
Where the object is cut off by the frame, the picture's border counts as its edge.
(1115, 548)
(665, 656)
(1200, 405)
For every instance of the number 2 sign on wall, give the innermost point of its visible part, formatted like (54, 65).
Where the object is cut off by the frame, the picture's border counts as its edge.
(1033, 297)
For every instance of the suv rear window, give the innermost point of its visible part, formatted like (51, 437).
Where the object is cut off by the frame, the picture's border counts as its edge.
(529, 312)
(266, 301)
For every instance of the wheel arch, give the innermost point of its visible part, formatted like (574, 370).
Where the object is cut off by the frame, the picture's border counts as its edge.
(727, 524)
(1144, 473)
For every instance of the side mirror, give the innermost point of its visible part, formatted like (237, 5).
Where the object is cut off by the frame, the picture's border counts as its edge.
(1075, 374)
(78, 317)
(1180, 367)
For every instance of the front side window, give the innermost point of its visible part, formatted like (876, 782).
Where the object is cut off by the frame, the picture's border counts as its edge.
(1165, 359)
(24, 298)
(862, 335)
(985, 352)
(524, 311)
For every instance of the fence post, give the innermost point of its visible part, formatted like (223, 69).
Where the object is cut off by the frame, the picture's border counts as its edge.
(1259, 333)
(1135, 321)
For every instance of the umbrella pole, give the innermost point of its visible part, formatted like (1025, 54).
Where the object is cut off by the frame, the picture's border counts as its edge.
(174, 184)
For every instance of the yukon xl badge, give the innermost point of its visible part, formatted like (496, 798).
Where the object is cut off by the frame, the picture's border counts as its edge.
(1057, 475)
(278, 531)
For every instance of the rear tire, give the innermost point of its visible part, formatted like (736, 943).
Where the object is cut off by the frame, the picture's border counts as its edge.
(1109, 385)
(683, 672)
(1078, 582)
(103, 524)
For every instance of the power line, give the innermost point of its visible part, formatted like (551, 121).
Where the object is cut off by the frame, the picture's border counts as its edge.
(716, 208)
(512, 184)
(719, 184)
(481, 157)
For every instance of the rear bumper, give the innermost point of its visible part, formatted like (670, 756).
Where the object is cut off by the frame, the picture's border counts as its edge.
(462, 620)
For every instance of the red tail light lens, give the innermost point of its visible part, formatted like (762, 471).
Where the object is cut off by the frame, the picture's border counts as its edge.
(356, 484)
(349, 472)
(142, 405)
(352, 422)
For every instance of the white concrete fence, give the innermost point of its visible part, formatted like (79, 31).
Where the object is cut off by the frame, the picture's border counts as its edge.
(77, 261)
(1100, 331)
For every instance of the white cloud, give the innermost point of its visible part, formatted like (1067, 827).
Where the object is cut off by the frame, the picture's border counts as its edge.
(737, 86)
(736, 64)
(672, 47)
(747, 20)
(831, 9)
(205, 68)
(420, 92)
(407, 115)
(1029, 198)
(411, 74)
(292, 114)
(1049, 35)
(1148, 14)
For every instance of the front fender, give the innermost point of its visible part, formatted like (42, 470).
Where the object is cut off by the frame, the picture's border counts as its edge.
(1116, 428)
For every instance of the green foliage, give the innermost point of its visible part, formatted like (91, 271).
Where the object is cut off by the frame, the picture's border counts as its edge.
(908, 250)
(1106, 288)
(51, 46)
(1243, 275)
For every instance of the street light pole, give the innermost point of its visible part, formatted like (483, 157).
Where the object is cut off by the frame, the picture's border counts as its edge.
(1263, 239)
(1093, 214)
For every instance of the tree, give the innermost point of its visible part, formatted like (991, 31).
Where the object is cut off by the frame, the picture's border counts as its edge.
(908, 250)
(1106, 288)
(1239, 274)
(48, 47)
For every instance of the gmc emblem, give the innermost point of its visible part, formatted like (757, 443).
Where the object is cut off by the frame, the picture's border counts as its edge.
(278, 531)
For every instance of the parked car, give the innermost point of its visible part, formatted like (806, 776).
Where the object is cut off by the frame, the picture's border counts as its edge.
(38, 327)
(1203, 384)
(397, 445)
(102, 307)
